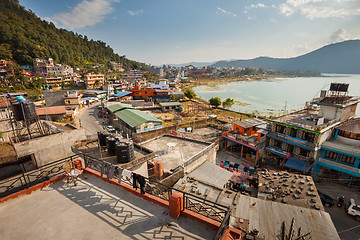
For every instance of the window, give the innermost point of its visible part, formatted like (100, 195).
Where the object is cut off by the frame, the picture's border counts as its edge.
(293, 132)
(348, 159)
(280, 128)
(304, 152)
(290, 148)
(353, 135)
(309, 137)
(331, 155)
(277, 144)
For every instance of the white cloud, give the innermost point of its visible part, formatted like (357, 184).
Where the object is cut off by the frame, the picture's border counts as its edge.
(137, 12)
(302, 48)
(339, 36)
(250, 18)
(258, 5)
(220, 10)
(320, 8)
(273, 20)
(86, 13)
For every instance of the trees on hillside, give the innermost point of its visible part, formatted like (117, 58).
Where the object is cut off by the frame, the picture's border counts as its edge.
(24, 36)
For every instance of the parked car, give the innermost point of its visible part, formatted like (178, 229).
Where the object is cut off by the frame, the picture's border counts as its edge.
(110, 128)
(326, 200)
(353, 209)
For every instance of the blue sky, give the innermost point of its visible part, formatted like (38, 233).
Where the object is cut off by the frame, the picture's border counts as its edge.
(179, 31)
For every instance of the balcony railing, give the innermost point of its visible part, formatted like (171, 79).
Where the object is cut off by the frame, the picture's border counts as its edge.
(192, 202)
(28, 179)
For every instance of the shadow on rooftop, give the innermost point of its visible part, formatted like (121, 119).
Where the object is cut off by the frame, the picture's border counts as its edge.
(129, 214)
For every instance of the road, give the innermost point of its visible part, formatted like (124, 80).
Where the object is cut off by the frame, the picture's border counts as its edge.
(88, 119)
(347, 227)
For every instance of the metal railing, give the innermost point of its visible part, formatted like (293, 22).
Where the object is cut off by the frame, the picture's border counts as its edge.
(191, 202)
(28, 179)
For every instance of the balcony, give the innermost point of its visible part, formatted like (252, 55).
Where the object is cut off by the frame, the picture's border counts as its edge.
(338, 166)
(249, 141)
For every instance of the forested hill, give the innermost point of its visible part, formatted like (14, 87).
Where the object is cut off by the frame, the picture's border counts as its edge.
(343, 57)
(24, 36)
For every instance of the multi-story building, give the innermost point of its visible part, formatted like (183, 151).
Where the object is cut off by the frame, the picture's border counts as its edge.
(73, 102)
(116, 66)
(295, 139)
(58, 70)
(93, 80)
(41, 64)
(340, 154)
(53, 81)
(247, 139)
(162, 84)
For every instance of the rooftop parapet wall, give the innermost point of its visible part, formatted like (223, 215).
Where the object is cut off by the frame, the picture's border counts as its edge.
(50, 148)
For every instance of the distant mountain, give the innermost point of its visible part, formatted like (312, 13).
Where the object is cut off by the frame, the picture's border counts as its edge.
(342, 57)
(24, 36)
(195, 64)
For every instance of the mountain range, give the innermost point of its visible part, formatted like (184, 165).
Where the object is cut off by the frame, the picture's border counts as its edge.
(342, 57)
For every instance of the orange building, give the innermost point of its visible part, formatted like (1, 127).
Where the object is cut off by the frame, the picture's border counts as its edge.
(247, 139)
(138, 93)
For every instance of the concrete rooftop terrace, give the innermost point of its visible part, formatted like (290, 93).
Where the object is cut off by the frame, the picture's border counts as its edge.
(93, 209)
(304, 118)
(174, 151)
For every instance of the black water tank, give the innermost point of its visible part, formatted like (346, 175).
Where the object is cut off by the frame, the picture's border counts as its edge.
(124, 151)
(110, 143)
(23, 110)
(17, 110)
(102, 138)
(29, 110)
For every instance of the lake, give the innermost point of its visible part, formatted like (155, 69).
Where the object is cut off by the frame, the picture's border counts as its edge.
(276, 96)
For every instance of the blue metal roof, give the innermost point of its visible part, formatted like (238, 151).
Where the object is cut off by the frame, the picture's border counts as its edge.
(297, 164)
(121, 94)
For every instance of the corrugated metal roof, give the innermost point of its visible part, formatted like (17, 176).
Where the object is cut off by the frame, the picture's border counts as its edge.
(247, 123)
(134, 117)
(121, 94)
(352, 126)
(119, 106)
(166, 104)
(267, 217)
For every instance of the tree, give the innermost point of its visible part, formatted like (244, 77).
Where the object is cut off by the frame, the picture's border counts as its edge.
(215, 101)
(190, 94)
(228, 103)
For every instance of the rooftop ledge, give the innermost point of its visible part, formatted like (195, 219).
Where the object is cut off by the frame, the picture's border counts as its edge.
(94, 209)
